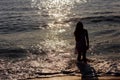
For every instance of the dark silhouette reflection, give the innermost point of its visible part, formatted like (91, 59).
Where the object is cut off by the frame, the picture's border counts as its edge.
(82, 45)
(82, 42)
(87, 72)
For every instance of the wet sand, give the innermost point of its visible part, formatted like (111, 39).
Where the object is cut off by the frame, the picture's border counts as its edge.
(79, 78)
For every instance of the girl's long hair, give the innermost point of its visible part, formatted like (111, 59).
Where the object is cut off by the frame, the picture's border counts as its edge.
(79, 28)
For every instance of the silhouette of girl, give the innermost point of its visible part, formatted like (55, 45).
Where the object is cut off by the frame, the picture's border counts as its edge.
(82, 42)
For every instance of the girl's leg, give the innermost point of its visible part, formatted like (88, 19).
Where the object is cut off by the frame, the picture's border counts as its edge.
(84, 57)
(79, 56)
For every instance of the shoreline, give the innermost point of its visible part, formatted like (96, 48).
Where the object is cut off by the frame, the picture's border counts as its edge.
(61, 66)
(75, 77)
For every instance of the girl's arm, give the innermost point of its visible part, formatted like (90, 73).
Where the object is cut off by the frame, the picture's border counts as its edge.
(87, 39)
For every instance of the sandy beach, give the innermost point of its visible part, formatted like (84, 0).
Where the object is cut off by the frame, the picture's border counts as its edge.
(69, 70)
(78, 78)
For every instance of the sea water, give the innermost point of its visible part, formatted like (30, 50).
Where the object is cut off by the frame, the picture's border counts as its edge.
(42, 27)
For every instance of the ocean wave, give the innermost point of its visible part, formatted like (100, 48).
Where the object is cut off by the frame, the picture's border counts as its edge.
(18, 9)
(96, 19)
(12, 53)
(115, 34)
(104, 32)
(107, 49)
(14, 25)
(103, 12)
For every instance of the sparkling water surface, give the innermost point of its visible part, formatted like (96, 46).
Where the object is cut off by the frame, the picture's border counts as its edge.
(31, 24)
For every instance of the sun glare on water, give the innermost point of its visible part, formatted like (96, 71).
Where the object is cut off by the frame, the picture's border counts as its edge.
(58, 11)
(56, 8)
